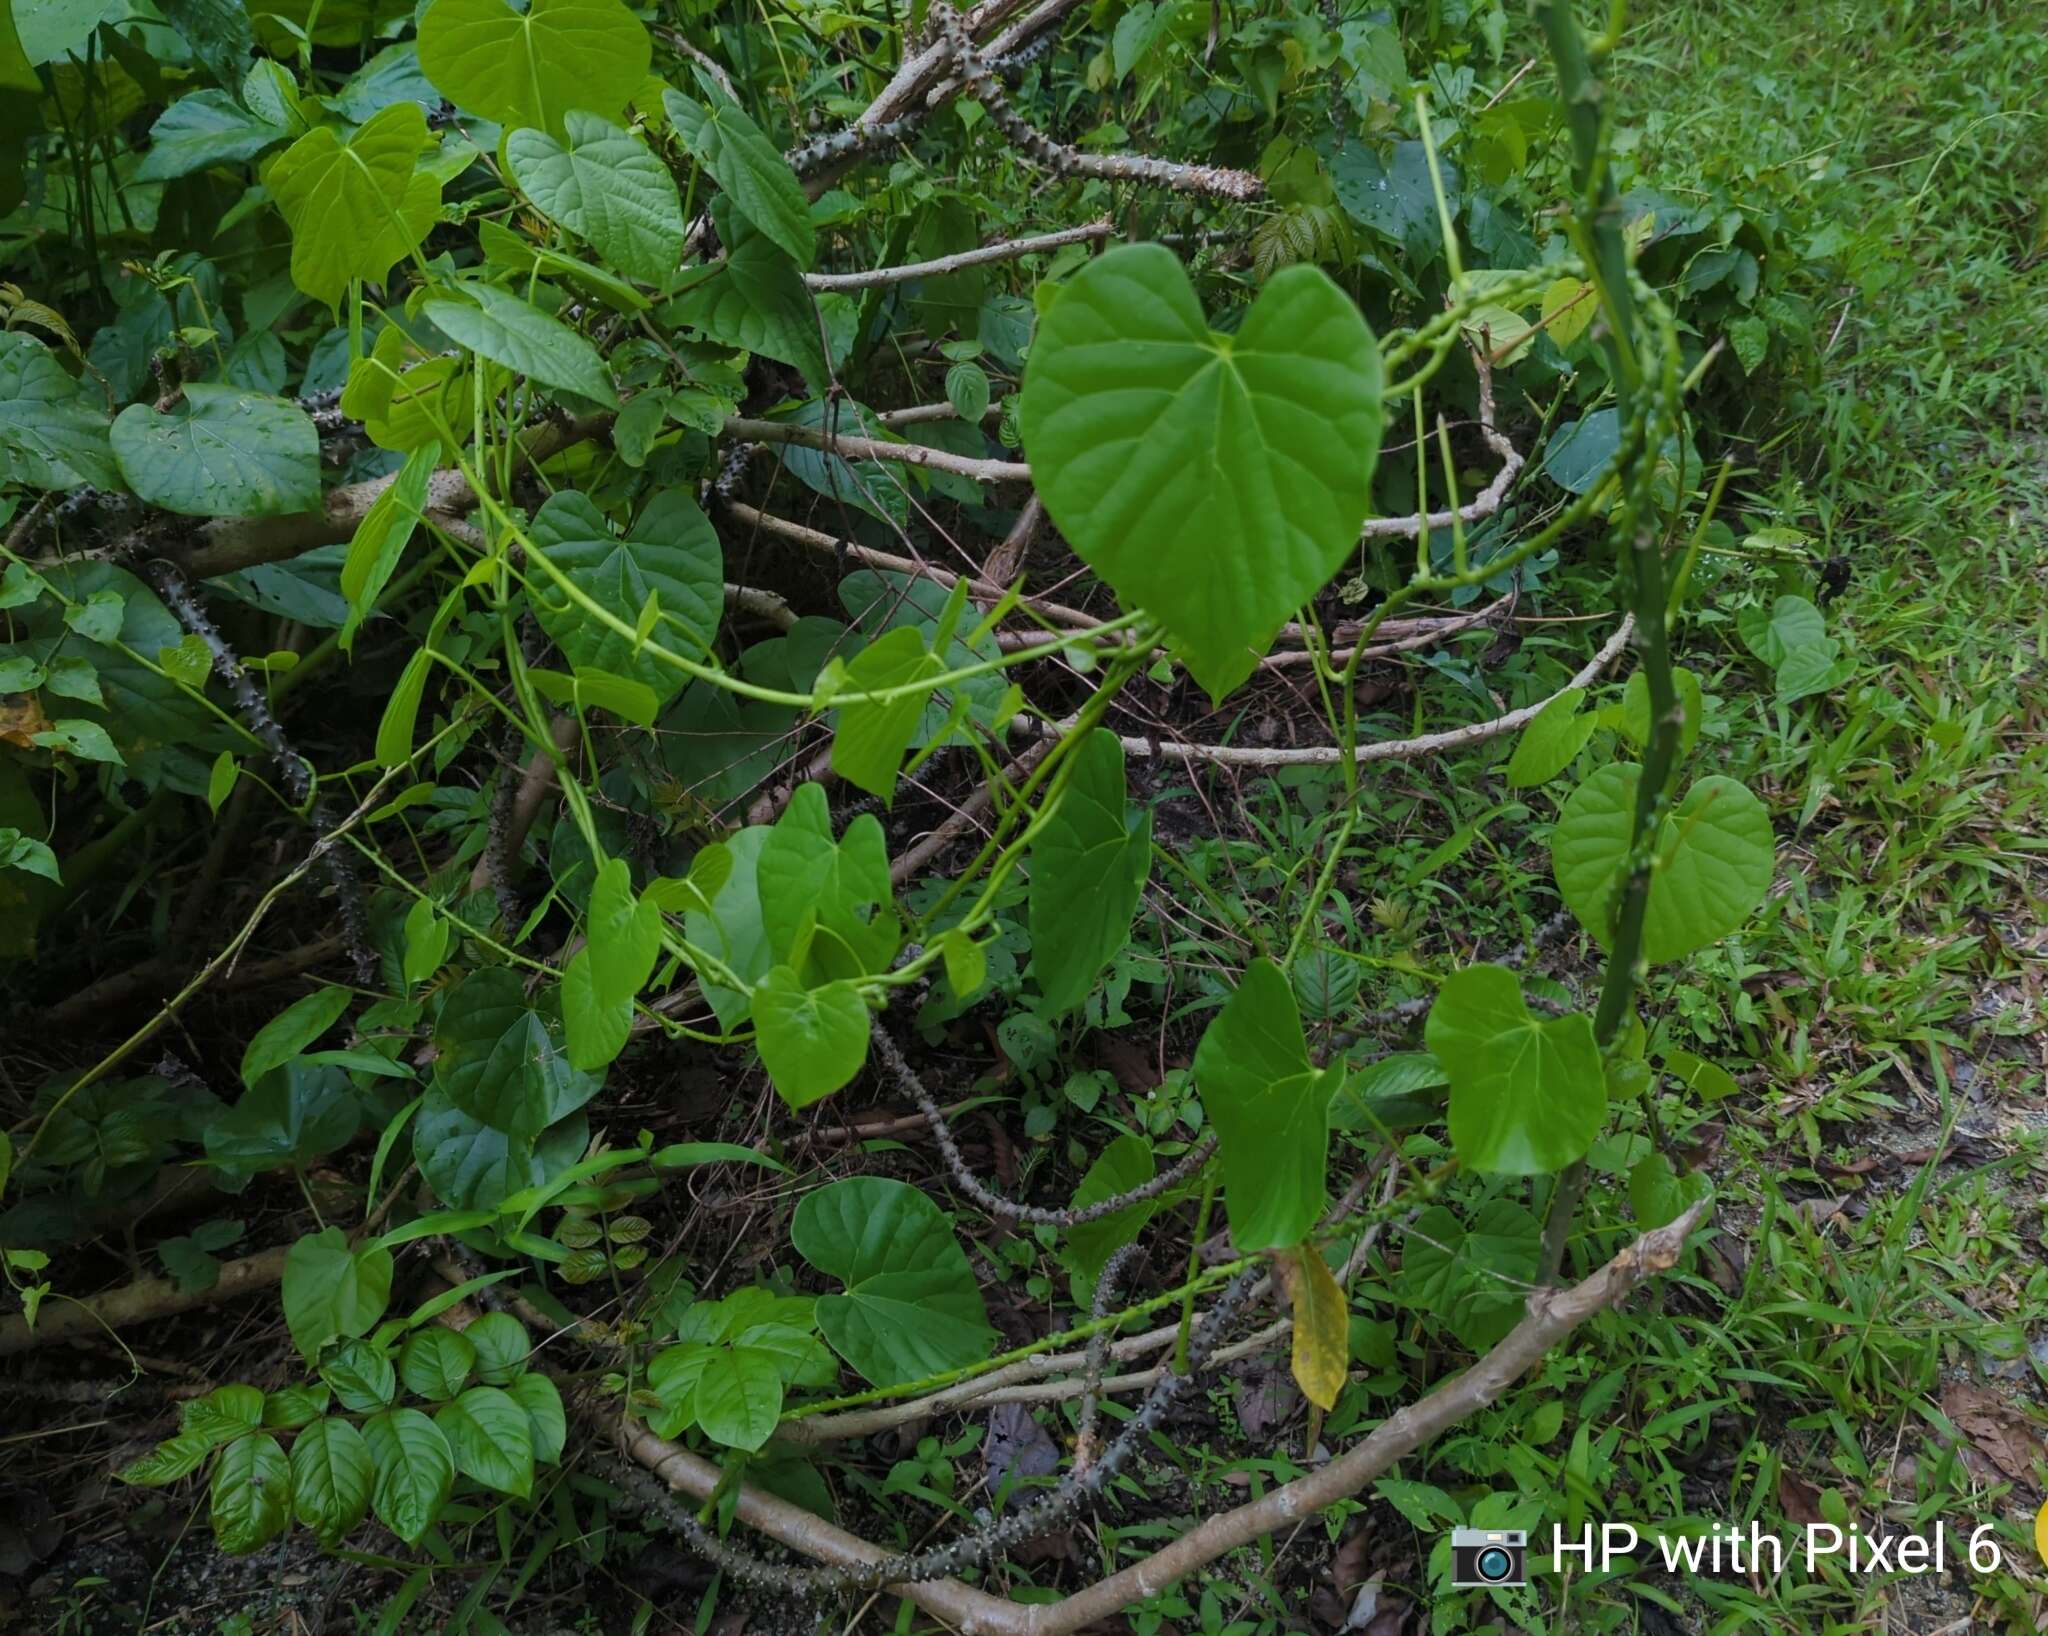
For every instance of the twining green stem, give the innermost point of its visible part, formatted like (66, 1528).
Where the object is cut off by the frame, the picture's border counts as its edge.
(1187, 1307)
(999, 853)
(1596, 225)
(1065, 1339)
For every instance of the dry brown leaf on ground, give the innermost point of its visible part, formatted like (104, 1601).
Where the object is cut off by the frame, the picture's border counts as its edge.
(1999, 1432)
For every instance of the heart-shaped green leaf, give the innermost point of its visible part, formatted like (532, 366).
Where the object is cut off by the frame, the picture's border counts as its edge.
(1659, 1195)
(1714, 858)
(331, 1291)
(825, 903)
(813, 1040)
(51, 434)
(221, 452)
(671, 554)
(1473, 1277)
(912, 1306)
(357, 207)
(1527, 1093)
(606, 186)
(1270, 1106)
(755, 299)
(531, 67)
(474, 1166)
(1549, 744)
(1216, 480)
(1088, 869)
(502, 1062)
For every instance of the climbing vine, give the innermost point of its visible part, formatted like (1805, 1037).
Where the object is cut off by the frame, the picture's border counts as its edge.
(471, 370)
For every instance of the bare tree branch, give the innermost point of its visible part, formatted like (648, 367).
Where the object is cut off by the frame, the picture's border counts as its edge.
(1399, 749)
(869, 448)
(1552, 1315)
(1008, 250)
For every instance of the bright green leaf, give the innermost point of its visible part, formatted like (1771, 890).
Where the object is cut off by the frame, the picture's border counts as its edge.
(52, 433)
(221, 452)
(251, 1497)
(499, 326)
(1089, 861)
(332, 1292)
(415, 1471)
(491, 1440)
(606, 186)
(746, 165)
(1270, 1106)
(1551, 742)
(435, 1363)
(812, 1040)
(355, 208)
(292, 1030)
(1527, 1093)
(1714, 858)
(912, 1305)
(531, 67)
(1147, 432)
(332, 1475)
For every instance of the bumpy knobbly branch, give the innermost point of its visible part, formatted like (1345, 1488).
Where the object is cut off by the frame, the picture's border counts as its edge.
(293, 769)
(1107, 1285)
(250, 704)
(1057, 157)
(984, 1545)
(995, 1204)
(1552, 1315)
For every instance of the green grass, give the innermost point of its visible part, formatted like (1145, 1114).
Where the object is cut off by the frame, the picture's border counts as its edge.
(1895, 974)
(1886, 997)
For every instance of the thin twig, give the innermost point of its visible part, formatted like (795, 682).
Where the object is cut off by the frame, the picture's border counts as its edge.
(907, 1079)
(1006, 250)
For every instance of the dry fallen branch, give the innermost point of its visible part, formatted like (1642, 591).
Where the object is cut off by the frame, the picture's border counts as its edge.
(146, 1298)
(1431, 632)
(1008, 250)
(1398, 749)
(1552, 1315)
(1488, 500)
(869, 448)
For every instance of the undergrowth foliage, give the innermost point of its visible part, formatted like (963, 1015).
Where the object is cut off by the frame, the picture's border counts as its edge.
(469, 367)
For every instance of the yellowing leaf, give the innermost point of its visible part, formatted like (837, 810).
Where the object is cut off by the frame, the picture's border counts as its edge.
(1567, 310)
(21, 718)
(355, 208)
(1322, 1336)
